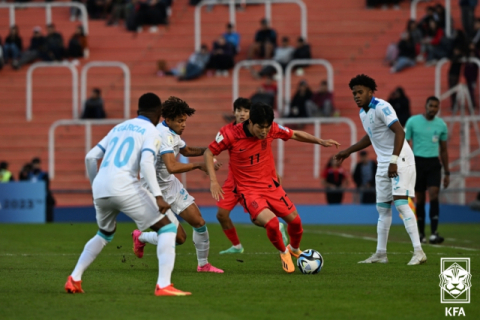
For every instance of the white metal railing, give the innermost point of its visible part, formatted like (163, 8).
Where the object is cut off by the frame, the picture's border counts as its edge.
(316, 148)
(296, 62)
(448, 15)
(232, 13)
(48, 10)
(88, 137)
(249, 63)
(126, 76)
(63, 64)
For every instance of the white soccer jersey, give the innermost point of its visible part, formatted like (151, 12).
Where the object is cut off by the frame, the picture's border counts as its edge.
(123, 147)
(377, 122)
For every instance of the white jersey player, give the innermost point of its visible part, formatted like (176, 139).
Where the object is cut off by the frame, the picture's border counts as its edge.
(395, 177)
(128, 149)
(176, 111)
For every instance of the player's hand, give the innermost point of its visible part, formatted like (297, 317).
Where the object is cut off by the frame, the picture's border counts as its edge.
(392, 170)
(216, 190)
(342, 155)
(162, 205)
(446, 181)
(279, 179)
(329, 143)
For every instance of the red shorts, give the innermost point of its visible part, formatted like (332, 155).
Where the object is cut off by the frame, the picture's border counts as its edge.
(230, 199)
(276, 200)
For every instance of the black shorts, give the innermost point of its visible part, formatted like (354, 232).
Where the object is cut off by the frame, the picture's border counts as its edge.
(429, 173)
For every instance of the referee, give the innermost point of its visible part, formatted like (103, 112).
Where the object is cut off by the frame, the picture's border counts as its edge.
(427, 132)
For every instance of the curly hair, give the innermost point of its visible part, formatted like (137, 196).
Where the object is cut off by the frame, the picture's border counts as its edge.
(174, 107)
(363, 80)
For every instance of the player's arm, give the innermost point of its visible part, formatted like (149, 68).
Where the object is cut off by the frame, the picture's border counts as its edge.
(444, 158)
(397, 148)
(147, 170)
(192, 151)
(173, 166)
(302, 136)
(360, 145)
(215, 187)
(92, 158)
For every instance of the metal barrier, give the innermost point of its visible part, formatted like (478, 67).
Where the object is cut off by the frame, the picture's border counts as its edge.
(438, 72)
(88, 137)
(48, 10)
(232, 3)
(249, 63)
(293, 63)
(52, 65)
(448, 15)
(316, 148)
(126, 76)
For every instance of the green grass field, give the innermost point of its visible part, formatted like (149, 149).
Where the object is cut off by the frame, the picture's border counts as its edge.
(35, 261)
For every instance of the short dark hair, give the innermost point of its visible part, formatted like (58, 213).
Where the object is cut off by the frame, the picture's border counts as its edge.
(36, 160)
(229, 25)
(363, 80)
(432, 98)
(261, 113)
(3, 165)
(149, 101)
(97, 91)
(174, 107)
(242, 103)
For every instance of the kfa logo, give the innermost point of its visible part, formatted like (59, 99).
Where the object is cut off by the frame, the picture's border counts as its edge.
(454, 311)
(455, 280)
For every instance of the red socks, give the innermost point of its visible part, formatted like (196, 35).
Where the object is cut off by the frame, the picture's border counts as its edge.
(232, 236)
(274, 234)
(295, 231)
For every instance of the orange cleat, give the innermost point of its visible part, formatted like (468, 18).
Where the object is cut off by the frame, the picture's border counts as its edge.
(295, 253)
(72, 286)
(170, 291)
(138, 245)
(287, 262)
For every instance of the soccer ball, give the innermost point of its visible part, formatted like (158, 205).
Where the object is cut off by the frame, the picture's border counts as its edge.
(310, 262)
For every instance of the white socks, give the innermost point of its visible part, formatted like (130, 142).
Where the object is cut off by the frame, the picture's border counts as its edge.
(90, 252)
(166, 254)
(149, 237)
(383, 225)
(202, 244)
(410, 223)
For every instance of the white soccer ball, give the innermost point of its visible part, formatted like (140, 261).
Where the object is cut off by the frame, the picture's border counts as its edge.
(310, 261)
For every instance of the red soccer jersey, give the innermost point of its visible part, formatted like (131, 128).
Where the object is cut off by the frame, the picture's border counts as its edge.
(251, 159)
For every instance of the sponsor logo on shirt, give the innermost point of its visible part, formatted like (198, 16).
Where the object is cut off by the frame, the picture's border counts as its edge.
(170, 141)
(219, 137)
(387, 111)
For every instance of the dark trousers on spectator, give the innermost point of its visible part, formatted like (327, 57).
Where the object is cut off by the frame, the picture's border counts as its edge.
(192, 71)
(334, 197)
(468, 20)
(221, 62)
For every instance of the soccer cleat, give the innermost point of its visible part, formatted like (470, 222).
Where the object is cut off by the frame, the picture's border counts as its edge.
(284, 233)
(419, 257)
(232, 249)
(376, 258)
(170, 291)
(435, 239)
(72, 286)
(287, 263)
(209, 268)
(138, 245)
(295, 253)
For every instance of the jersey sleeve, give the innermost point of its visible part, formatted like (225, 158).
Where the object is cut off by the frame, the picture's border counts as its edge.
(281, 132)
(221, 142)
(182, 144)
(103, 143)
(409, 129)
(386, 114)
(152, 143)
(444, 134)
(167, 143)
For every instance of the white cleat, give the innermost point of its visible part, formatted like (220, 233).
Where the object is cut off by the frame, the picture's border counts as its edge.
(376, 258)
(419, 257)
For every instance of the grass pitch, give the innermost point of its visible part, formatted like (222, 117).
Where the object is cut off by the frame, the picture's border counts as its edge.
(35, 261)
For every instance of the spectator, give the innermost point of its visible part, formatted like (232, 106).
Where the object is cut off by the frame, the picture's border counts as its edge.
(13, 46)
(221, 58)
(5, 175)
(468, 15)
(424, 24)
(37, 49)
(334, 180)
(415, 35)
(94, 107)
(1, 55)
(232, 36)
(25, 172)
(322, 102)
(440, 15)
(150, 12)
(75, 13)
(38, 175)
(54, 44)
(265, 42)
(261, 95)
(298, 107)
(130, 15)
(476, 38)
(196, 64)
(401, 104)
(364, 177)
(283, 55)
(454, 72)
(77, 46)
(302, 51)
(435, 46)
(406, 54)
(270, 86)
(96, 9)
(471, 74)
(118, 12)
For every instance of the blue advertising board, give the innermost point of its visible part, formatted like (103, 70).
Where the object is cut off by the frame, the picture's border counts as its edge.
(22, 202)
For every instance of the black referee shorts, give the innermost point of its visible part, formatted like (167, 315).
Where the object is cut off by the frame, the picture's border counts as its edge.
(428, 173)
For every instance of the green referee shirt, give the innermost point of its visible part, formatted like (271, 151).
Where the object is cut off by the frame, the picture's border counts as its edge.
(426, 135)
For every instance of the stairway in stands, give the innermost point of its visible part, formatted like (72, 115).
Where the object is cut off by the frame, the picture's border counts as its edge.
(352, 38)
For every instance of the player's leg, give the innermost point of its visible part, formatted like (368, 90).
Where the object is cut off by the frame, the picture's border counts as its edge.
(433, 184)
(106, 214)
(420, 188)
(223, 216)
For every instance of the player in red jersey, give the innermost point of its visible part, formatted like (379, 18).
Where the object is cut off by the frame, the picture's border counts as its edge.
(249, 145)
(241, 111)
